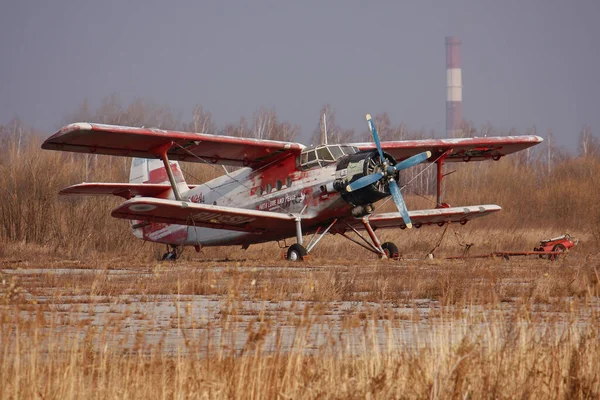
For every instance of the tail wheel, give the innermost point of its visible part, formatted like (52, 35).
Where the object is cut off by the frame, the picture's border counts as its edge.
(390, 250)
(559, 248)
(172, 254)
(296, 252)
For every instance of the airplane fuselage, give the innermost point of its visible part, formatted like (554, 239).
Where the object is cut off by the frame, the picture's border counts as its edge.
(282, 188)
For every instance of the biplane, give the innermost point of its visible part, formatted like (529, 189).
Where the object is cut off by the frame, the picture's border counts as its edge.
(280, 190)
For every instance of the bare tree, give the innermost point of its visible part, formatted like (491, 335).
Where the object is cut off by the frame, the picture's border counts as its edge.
(486, 130)
(400, 132)
(17, 130)
(266, 126)
(285, 131)
(264, 122)
(241, 129)
(467, 130)
(384, 129)
(201, 122)
(588, 143)
(549, 148)
(110, 111)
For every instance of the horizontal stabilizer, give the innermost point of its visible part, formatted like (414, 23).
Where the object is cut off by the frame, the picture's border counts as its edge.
(199, 215)
(125, 190)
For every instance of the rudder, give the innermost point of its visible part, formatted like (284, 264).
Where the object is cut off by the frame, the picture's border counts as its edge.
(144, 170)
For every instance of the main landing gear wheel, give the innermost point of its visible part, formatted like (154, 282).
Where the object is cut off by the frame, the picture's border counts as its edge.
(171, 255)
(296, 252)
(390, 250)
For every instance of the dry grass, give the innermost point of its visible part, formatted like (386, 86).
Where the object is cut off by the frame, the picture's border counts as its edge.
(250, 329)
(86, 311)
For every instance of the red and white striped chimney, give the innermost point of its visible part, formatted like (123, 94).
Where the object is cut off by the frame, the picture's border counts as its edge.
(454, 115)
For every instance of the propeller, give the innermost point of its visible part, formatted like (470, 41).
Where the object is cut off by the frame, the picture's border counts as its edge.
(388, 172)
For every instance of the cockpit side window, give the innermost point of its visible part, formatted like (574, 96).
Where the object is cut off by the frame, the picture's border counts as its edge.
(324, 154)
(349, 149)
(336, 151)
(303, 158)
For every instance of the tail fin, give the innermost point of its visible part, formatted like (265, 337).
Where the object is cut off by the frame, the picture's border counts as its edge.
(144, 170)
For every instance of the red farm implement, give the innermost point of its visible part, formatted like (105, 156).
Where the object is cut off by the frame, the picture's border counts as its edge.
(548, 248)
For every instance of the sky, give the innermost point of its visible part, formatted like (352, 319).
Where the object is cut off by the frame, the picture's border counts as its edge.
(525, 63)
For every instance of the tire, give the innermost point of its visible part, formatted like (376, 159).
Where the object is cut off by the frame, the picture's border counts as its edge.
(296, 252)
(560, 248)
(539, 249)
(170, 256)
(391, 250)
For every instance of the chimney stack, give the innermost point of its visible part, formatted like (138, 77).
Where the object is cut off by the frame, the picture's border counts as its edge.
(454, 115)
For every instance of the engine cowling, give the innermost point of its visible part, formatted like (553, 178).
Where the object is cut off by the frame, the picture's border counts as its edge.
(355, 166)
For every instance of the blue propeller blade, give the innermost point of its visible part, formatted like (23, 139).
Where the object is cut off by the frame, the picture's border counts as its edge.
(412, 161)
(397, 196)
(364, 181)
(375, 137)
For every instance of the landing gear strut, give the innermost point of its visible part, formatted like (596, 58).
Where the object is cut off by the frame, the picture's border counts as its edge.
(385, 251)
(297, 252)
(172, 253)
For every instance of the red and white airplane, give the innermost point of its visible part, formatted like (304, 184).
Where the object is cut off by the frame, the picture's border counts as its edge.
(283, 189)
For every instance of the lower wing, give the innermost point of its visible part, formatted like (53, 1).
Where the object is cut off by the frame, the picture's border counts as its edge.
(125, 190)
(255, 221)
(200, 215)
(435, 216)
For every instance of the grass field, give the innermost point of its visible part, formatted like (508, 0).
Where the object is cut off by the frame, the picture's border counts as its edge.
(248, 325)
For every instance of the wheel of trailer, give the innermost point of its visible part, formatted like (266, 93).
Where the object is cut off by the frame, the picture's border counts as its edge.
(539, 249)
(390, 250)
(559, 248)
(296, 252)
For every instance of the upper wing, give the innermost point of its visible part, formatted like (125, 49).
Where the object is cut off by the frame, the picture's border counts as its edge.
(429, 217)
(200, 215)
(464, 149)
(127, 141)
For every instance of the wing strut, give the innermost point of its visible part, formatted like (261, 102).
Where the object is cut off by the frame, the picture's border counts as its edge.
(440, 175)
(161, 151)
(374, 246)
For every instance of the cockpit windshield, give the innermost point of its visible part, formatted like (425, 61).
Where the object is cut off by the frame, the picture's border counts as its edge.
(324, 155)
